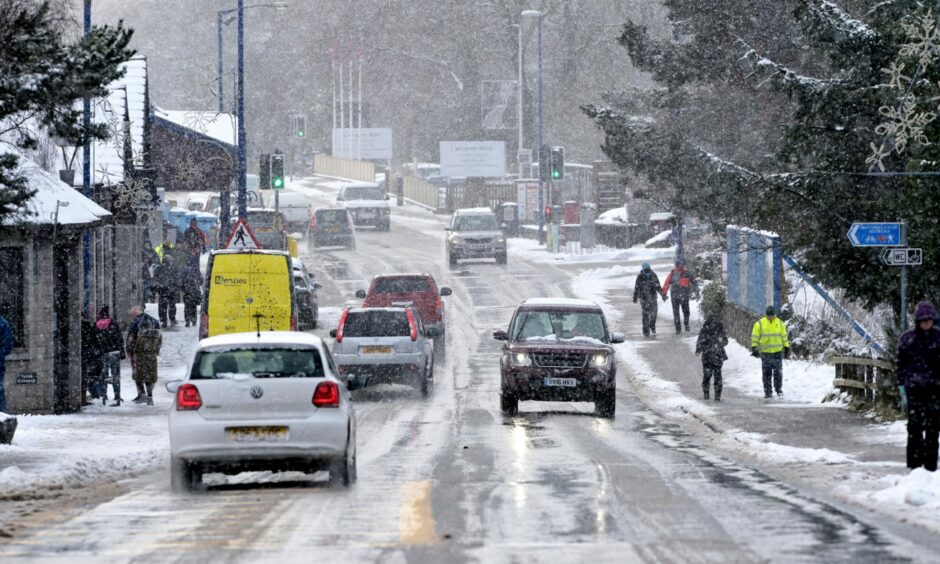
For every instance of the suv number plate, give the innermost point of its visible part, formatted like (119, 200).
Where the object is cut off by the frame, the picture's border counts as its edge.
(563, 382)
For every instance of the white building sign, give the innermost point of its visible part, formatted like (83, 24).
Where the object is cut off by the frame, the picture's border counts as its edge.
(369, 143)
(465, 159)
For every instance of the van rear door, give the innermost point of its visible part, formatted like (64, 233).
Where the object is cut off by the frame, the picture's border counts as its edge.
(249, 292)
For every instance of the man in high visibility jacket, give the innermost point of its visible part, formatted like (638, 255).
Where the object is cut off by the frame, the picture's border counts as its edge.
(769, 342)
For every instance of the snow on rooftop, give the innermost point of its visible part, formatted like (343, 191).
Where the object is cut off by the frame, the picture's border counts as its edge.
(474, 210)
(74, 208)
(277, 338)
(217, 125)
(564, 302)
(661, 216)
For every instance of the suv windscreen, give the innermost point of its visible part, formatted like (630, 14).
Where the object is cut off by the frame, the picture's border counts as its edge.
(545, 325)
(400, 286)
(376, 323)
(331, 217)
(260, 363)
(363, 193)
(476, 223)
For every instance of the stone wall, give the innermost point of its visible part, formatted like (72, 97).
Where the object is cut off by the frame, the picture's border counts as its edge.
(738, 323)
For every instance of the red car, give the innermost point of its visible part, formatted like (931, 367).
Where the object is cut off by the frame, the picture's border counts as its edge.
(408, 290)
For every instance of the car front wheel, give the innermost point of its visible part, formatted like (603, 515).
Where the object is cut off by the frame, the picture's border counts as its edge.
(605, 405)
(508, 403)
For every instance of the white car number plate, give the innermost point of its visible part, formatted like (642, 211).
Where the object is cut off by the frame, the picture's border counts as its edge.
(561, 382)
(256, 434)
(366, 213)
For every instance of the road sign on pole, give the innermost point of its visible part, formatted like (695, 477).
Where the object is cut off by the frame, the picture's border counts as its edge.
(876, 234)
(903, 256)
(242, 238)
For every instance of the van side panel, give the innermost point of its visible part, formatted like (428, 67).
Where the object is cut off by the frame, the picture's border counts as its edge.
(248, 292)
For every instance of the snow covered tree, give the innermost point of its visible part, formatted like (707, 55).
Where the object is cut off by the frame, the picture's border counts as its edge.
(41, 78)
(825, 76)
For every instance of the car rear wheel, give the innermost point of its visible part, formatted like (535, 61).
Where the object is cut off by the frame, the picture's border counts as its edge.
(184, 476)
(501, 258)
(508, 403)
(605, 405)
(344, 472)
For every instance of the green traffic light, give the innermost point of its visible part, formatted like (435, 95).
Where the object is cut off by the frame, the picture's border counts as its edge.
(300, 134)
(556, 174)
(278, 182)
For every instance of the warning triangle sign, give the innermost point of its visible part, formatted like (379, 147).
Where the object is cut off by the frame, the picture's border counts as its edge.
(242, 237)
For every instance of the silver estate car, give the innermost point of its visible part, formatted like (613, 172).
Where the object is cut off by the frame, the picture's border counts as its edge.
(384, 345)
(269, 401)
(473, 234)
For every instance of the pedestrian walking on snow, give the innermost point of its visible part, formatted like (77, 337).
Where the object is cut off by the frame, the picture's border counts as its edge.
(110, 344)
(191, 283)
(6, 347)
(683, 285)
(710, 346)
(769, 342)
(918, 369)
(647, 290)
(143, 343)
(166, 282)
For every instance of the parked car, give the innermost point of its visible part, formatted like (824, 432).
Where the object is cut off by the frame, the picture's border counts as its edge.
(330, 227)
(417, 290)
(197, 201)
(474, 234)
(367, 204)
(558, 350)
(294, 207)
(384, 345)
(305, 294)
(261, 402)
(268, 227)
(248, 291)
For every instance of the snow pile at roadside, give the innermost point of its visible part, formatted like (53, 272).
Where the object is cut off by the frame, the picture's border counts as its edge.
(659, 238)
(530, 250)
(913, 497)
(920, 488)
(616, 216)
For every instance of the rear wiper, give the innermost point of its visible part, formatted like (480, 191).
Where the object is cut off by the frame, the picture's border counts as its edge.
(264, 374)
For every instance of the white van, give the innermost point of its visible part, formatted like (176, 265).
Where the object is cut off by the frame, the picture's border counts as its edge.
(294, 207)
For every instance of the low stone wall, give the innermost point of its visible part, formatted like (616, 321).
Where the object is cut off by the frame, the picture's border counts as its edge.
(738, 323)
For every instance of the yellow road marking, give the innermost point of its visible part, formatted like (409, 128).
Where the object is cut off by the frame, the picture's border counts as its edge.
(415, 521)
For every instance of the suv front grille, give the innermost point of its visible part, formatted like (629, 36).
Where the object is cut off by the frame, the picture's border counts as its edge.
(559, 360)
(478, 241)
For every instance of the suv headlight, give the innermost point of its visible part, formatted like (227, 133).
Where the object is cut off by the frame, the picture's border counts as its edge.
(520, 359)
(600, 360)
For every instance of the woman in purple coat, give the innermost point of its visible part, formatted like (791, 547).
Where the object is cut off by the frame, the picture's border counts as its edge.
(919, 381)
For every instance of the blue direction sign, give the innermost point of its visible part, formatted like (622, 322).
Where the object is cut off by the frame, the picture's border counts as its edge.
(876, 234)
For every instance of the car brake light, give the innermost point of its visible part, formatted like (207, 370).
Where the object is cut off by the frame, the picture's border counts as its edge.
(412, 324)
(293, 323)
(342, 323)
(326, 395)
(203, 325)
(440, 305)
(188, 398)
(313, 222)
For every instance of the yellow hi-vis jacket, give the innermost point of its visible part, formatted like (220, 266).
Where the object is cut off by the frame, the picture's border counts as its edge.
(769, 336)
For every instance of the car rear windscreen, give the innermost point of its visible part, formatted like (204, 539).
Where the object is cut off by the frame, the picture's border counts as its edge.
(259, 363)
(331, 217)
(376, 323)
(400, 285)
(363, 193)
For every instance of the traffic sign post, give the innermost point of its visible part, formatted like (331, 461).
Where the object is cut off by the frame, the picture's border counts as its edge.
(878, 234)
(902, 256)
(242, 237)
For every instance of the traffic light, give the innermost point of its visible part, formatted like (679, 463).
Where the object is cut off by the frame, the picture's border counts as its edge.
(264, 170)
(300, 126)
(545, 158)
(277, 171)
(558, 163)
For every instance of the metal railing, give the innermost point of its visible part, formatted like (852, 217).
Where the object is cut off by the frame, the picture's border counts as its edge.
(343, 168)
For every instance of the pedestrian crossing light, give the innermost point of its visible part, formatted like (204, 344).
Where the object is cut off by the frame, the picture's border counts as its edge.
(277, 171)
(557, 170)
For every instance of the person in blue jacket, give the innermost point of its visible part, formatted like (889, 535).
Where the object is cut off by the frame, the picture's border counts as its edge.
(6, 347)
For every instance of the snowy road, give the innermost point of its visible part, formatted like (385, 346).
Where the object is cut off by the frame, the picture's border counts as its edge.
(450, 479)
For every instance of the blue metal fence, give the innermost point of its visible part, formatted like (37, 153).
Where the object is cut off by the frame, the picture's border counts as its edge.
(753, 267)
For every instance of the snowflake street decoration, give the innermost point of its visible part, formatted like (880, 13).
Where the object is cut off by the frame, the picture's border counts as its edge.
(910, 115)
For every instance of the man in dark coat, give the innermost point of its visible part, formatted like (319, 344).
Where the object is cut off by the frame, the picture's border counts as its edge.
(646, 289)
(143, 343)
(683, 285)
(918, 369)
(6, 347)
(191, 282)
(166, 282)
(110, 344)
(193, 240)
(711, 347)
(91, 367)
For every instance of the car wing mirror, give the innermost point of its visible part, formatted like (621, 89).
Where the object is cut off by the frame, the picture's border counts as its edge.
(446, 291)
(173, 385)
(432, 331)
(361, 294)
(333, 333)
(617, 338)
(500, 335)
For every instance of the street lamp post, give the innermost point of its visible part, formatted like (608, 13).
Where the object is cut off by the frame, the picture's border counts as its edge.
(86, 177)
(240, 110)
(521, 141)
(538, 15)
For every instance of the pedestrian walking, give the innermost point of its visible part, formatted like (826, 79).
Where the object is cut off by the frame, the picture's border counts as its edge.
(110, 344)
(193, 241)
(91, 360)
(143, 343)
(918, 369)
(683, 286)
(166, 282)
(191, 279)
(6, 347)
(149, 261)
(769, 342)
(710, 346)
(646, 289)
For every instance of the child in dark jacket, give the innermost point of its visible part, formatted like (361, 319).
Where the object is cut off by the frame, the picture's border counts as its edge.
(711, 347)
(110, 345)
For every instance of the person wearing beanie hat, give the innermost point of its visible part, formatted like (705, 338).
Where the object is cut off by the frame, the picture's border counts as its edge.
(769, 342)
(683, 285)
(918, 370)
(646, 289)
(109, 342)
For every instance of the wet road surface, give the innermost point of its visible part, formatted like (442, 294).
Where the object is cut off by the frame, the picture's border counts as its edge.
(451, 479)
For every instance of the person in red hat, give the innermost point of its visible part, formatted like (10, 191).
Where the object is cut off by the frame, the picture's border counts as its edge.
(918, 369)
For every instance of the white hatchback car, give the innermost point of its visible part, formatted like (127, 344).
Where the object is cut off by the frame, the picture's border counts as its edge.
(269, 401)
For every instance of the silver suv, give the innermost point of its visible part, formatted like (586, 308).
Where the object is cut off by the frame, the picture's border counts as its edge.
(474, 233)
(378, 345)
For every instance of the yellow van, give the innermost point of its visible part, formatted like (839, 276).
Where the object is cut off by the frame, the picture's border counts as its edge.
(248, 291)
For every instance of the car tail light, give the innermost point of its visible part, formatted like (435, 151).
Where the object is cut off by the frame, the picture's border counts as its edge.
(440, 308)
(313, 221)
(326, 395)
(188, 398)
(412, 324)
(342, 323)
(203, 325)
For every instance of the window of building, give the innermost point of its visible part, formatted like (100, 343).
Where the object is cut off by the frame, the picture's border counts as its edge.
(12, 300)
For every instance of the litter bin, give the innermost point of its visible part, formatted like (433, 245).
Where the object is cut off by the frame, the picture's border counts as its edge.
(177, 218)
